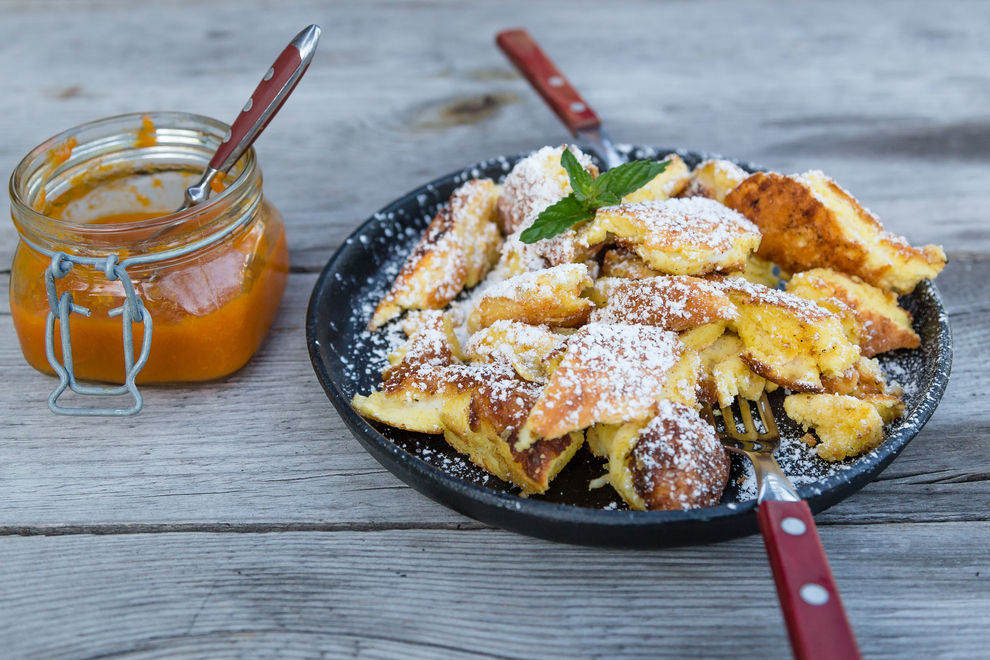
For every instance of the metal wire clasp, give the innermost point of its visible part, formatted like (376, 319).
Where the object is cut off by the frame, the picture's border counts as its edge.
(60, 307)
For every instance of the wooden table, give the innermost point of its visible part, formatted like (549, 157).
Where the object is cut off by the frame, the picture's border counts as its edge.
(240, 517)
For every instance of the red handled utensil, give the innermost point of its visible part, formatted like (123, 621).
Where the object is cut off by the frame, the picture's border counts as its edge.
(560, 95)
(266, 100)
(816, 621)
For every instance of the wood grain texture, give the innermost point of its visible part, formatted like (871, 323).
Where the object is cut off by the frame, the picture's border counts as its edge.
(470, 594)
(890, 98)
(190, 459)
(240, 517)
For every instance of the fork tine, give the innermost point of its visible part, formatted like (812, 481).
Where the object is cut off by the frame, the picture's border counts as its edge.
(732, 424)
(706, 411)
(747, 419)
(766, 416)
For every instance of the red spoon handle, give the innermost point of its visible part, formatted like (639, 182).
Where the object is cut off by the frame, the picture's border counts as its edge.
(267, 98)
(816, 620)
(547, 80)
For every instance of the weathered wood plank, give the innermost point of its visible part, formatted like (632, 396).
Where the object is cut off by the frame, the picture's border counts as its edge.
(482, 593)
(264, 447)
(891, 99)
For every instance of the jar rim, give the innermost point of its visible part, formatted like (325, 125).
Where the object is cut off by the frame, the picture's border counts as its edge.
(37, 157)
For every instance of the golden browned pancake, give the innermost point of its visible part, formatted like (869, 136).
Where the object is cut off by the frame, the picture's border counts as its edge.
(612, 374)
(714, 179)
(551, 297)
(881, 324)
(808, 221)
(703, 336)
(528, 348)
(482, 422)
(763, 272)
(457, 249)
(665, 185)
(725, 375)
(536, 182)
(788, 340)
(566, 248)
(865, 381)
(478, 407)
(423, 371)
(845, 425)
(678, 236)
(671, 302)
(620, 262)
(673, 462)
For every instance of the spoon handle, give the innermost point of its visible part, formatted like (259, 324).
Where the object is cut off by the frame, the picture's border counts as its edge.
(268, 97)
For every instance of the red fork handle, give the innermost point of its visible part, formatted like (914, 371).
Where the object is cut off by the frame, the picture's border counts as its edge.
(547, 80)
(267, 98)
(816, 620)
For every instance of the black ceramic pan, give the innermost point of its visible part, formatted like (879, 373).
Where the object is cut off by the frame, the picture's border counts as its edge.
(348, 360)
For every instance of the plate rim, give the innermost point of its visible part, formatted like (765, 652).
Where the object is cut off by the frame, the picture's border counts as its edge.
(819, 494)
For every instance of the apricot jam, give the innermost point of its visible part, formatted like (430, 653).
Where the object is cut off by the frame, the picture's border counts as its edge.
(211, 277)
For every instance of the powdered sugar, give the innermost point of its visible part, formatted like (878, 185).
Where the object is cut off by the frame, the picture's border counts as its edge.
(610, 374)
(671, 302)
(804, 310)
(692, 221)
(535, 183)
(540, 283)
(680, 448)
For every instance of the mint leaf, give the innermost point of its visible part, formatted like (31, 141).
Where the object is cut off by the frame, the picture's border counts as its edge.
(606, 198)
(629, 177)
(589, 194)
(557, 218)
(581, 181)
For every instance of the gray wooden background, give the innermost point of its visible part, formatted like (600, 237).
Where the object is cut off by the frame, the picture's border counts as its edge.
(240, 518)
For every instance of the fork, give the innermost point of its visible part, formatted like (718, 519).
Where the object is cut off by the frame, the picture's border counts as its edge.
(816, 621)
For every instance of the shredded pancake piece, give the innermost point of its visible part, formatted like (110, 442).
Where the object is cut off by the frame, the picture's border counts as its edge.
(457, 249)
(620, 262)
(788, 340)
(612, 374)
(881, 325)
(530, 349)
(673, 462)
(551, 297)
(808, 221)
(677, 303)
(846, 426)
(536, 182)
(714, 179)
(691, 236)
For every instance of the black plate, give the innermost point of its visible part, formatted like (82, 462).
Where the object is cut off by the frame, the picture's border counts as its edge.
(347, 361)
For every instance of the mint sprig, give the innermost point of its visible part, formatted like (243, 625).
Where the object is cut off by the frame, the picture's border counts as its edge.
(590, 194)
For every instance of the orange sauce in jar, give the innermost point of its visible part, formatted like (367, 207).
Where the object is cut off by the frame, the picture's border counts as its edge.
(211, 307)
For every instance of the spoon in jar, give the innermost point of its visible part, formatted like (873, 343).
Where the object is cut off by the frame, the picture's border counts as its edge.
(268, 97)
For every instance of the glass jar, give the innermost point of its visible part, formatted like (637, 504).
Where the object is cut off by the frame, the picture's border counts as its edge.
(93, 207)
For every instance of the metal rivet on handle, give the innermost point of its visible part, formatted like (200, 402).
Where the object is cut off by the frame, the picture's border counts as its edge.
(248, 105)
(577, 107)
(814, 594)
(269, 73)
(793, 526)
(555, 81)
